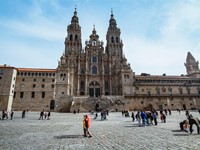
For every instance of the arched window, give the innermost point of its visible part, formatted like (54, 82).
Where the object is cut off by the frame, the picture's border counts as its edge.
(94, 42)
(76, 37)
(70, 38)
(94, 70)
(112, 39)
(117, 39)
(94, 59)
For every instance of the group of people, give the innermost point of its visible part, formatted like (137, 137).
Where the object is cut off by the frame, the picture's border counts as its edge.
(45, 115)
(187, 125)
(145, 118)
(6, 115)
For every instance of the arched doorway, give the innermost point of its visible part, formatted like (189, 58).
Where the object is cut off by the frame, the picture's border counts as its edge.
(94, 89)
(52, 104)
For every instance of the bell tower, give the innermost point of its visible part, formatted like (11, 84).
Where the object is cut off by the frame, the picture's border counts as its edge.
(73, 39)
(114, 42)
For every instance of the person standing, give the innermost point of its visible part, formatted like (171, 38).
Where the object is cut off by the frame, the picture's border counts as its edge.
(133, 116)
(144, 118)
(155, 118)
(11, 115)
(23, 113)
(48, 115)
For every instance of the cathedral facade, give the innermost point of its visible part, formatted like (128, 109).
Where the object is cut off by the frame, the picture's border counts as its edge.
(93, 76)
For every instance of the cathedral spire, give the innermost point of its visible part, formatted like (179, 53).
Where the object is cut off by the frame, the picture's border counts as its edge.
(112, 19)
(190, 57)
(112, 16)
(192, 66)
(74, 18)
(94, 30)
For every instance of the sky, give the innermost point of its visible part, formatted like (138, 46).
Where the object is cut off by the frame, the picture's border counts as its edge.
(157, 34)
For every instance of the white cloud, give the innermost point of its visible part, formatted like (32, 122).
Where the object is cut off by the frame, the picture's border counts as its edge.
(177, 24)
(167, 53)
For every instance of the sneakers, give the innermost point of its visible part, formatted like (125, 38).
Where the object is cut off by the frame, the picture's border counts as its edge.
(89, 136)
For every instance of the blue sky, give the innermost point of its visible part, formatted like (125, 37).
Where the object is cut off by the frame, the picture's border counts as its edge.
(157, 34)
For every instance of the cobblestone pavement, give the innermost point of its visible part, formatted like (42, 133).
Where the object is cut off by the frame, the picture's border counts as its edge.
(64, 132)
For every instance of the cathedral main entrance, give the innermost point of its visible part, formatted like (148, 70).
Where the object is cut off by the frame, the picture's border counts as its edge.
(94, 89)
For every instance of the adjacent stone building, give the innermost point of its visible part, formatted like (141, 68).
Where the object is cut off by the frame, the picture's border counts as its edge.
(96, 77)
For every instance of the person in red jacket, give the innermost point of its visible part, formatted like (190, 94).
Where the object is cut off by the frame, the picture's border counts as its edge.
(87, 125)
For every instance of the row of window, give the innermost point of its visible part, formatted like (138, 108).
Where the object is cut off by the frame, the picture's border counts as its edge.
(34, 86)
(35, 80)
(170, 92)
(166, 81)
(114, 39)
(36, 74)
(21, 95)
(75, 37)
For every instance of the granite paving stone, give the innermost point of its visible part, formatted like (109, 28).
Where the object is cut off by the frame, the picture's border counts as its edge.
(64, 132)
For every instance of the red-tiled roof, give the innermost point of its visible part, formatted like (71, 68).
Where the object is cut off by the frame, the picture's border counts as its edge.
(35, 70)
(5, 66)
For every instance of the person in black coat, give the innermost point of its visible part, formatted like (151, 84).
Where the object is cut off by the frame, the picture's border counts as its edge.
(193, 121)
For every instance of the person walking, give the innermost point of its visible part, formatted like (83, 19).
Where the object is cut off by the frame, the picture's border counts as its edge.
(41, 114)
(84, 126)
(193, 121)
(87, 125)
(133, 116)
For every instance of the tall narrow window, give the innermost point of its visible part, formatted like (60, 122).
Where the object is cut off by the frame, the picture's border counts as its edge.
(21, 94)
(117, 39)
(106, 85)
(82, 85)
(94, 70)
(32, 94)
(82, 70)
(43, 94)
(112, 39)
(94, 59)
(70, 38)
(76, 37)
(14, 94)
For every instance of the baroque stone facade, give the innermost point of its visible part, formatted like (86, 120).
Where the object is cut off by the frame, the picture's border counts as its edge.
(96, 77)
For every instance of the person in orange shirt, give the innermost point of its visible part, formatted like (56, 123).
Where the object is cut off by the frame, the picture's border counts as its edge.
(87, 125)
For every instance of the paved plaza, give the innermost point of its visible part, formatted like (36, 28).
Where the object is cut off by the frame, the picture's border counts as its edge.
(64, 132)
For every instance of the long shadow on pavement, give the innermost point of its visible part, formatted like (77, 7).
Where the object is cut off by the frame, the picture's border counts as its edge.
(68, 136)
